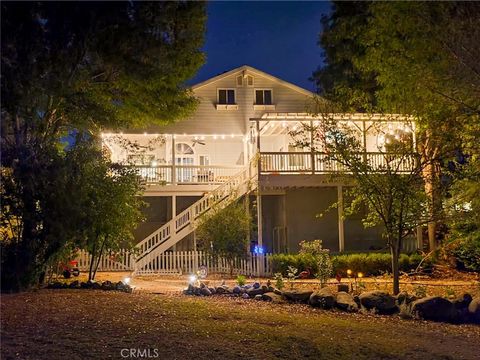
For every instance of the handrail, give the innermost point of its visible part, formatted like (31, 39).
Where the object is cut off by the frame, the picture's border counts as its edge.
(186, 217)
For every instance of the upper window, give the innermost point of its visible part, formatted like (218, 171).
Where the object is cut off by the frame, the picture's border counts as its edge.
(249, 80)
(263, 97)
(226, 96)
(240, 80)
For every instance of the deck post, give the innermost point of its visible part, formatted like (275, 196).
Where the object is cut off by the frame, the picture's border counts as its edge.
(174, 172)
(341, 229)
(174, 214)
(259, 218)
(312, 153)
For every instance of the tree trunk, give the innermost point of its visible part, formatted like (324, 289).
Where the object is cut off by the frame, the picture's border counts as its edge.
(395, 251)
(92, 260)
(100, 253)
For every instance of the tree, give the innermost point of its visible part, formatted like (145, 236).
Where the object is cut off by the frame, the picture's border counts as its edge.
(421, 58)
(76, 67)
(224, 232)
(387, 186)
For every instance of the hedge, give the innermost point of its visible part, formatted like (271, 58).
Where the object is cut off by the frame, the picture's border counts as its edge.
(368, 263)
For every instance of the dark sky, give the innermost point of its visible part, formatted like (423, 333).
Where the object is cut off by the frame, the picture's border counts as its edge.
(279, 38)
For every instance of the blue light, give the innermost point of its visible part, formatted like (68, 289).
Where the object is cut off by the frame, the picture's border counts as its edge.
(258, 249)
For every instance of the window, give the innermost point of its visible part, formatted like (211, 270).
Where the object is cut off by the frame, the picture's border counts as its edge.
(226, 96)
(240, 80)
(204, 160)
(263, 97)
(249, 80)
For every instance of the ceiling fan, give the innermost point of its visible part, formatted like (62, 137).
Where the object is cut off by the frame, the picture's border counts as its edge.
(197, 141)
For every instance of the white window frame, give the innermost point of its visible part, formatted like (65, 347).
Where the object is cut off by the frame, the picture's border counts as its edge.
(262, 106)
(241, 78)
(246, 80)
(227, 106)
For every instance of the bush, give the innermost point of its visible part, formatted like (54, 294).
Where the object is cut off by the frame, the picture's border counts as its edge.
(371, 264)
(466, 252)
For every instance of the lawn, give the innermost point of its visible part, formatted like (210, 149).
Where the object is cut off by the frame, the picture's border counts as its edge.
(88, 324)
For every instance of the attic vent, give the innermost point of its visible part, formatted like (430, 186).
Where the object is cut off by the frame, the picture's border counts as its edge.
(249, 80)
(240, 80)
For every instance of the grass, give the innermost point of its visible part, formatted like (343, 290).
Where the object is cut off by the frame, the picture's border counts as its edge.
(84, 324)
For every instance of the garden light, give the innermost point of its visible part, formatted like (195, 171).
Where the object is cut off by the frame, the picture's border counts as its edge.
(349, 272)
(360, 275)
(126, 280)
(192, 278)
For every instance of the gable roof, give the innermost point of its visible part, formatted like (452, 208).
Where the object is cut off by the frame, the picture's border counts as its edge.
(254, 71)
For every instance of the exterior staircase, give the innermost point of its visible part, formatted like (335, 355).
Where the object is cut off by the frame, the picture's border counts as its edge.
(182, 225)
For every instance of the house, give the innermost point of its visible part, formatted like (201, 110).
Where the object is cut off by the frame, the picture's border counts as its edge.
(237, 142)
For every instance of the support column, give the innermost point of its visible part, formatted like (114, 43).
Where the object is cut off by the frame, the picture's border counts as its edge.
(174, 171)
(259, 218)
(341, 229)
(312, 154)
(174, 213)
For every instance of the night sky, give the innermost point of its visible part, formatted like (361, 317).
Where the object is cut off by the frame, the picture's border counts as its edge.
(279, 38)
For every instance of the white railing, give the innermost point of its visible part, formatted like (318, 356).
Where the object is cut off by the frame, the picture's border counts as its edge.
(301, 162)
(179, 262)
(111, 261)
(188, 262)
(186, 174)
(173, 231)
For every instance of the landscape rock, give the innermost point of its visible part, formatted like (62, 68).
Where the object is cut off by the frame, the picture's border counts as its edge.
(107, 285)
(205, 291)
(278, 292)
(404, 298)
(96, 285)
(245, 296)
(256, 285)
(297, 296)
(254, 292)
(380, 301)
(258, 297)
(120, 286)
(236, 289)
(324, 298)
(273, 297)
(345, 302)
(434, 308)
(74, 284)
(474, 310)
(462, 301)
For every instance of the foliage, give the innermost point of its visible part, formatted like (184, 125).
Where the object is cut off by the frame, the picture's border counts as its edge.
(80, 200)
(291, 275)
(420, 291)
(225, 232)
(241, 280)
(322, 259)
(76, 68)
(371, 264)
(279, 283)
(417, 58)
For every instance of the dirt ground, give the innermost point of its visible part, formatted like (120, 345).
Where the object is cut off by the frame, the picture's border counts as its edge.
(445, 287)
(89, 324)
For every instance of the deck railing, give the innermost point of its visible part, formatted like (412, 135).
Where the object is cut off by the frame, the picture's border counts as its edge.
(322, 163)
(186, 174)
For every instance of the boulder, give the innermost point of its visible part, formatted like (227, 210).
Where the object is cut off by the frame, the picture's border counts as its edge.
(107, 285)
(254, 292)
(258, 297)
(434, 308)
(74, 284)
(379, 301)
(404, 298)
(120, 286)
(343, 288)
(236, 289)
(128, 289)
(323, 298)
(96, 285)
(474, 310)
(345, 302)
(273, 297)
(256, 285)
(265, 288)
(278, 292)
(462, 301)
(223, 290)
(297, 296)
(205, 291)
(245, 296)
(56, 285)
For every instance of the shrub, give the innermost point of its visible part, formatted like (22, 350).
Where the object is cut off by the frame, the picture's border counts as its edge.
(321, 257)
(466, 251)
(371, 264)
(241, 280)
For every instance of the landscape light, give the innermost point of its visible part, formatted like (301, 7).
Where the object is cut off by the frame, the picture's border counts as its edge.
(192, 278)
(126, 280)
(360, 275)
(349, 272)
